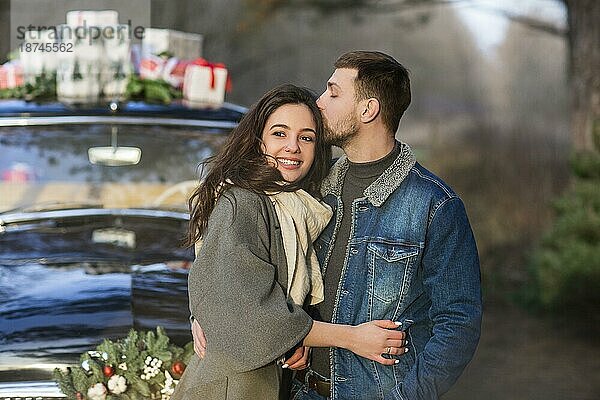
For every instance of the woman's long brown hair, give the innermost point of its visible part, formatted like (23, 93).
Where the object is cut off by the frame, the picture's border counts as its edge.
(241, 161)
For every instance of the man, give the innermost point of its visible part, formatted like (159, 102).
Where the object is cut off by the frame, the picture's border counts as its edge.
(399, 246)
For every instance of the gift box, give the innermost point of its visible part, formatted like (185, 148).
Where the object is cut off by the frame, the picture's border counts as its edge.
(117, 43)
(205, 83)
(151, 67)
(11, 75)
(78, 76)
(92, 18)
(174, 72)
(114, 80)
(116, 65)
(34, 61)
(97, 64)
(181, 45)
(171, 70)
(78, 81)
(82, 45)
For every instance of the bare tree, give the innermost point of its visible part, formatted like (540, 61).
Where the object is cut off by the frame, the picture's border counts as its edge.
(584, 45)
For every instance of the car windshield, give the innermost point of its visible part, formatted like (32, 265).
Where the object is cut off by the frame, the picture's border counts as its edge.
(108, 165)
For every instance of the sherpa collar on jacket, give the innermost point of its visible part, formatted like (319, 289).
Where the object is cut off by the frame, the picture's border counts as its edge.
(378, 191)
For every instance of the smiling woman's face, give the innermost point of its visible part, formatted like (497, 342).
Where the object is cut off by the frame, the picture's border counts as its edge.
(290, 138)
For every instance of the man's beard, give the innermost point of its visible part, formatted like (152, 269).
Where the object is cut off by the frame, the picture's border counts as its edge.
(342, 132)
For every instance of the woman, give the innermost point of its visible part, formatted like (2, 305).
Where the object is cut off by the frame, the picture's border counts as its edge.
(252, 215)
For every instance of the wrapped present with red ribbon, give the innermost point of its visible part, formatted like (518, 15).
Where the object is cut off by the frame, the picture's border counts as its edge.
(205, 83)
(174, 72)
(11, 75)
(151, 67)
(171, 70)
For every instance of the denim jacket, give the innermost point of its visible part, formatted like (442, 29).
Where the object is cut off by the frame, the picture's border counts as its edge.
(411, 258)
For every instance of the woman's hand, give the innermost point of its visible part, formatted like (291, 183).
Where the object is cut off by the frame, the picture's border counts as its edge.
(299, 360)
(374, 338)
(369, 340)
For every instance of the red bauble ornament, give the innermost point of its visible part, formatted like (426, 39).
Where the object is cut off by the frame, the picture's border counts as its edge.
(108, 371)
(178, 367)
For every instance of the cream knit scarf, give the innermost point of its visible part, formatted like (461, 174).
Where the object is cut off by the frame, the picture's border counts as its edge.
(302, 219)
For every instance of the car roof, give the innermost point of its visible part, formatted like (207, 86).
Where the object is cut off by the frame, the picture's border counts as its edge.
(21, 108)
(23, 113)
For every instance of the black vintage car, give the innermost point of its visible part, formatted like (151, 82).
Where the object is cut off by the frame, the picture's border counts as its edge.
(92, 214)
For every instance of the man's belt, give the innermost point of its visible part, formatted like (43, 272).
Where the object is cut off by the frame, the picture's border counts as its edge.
(318, 385)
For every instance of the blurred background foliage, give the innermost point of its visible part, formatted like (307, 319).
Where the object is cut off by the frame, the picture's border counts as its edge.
(566, 265)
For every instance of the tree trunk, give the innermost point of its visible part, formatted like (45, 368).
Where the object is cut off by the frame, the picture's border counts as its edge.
(584, 44)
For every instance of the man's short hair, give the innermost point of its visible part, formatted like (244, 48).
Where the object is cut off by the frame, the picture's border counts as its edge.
(382, 77)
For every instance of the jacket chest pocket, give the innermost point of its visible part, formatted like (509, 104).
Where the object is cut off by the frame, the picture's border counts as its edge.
(390, 269)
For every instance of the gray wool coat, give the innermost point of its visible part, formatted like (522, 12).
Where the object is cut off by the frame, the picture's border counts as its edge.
(237, 292)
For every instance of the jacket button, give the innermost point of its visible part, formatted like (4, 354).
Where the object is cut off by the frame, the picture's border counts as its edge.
(354, 251)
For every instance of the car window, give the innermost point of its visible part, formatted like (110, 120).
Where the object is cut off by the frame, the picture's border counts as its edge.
(44, 165)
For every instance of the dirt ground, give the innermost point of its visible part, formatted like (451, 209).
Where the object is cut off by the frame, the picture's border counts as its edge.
(526, 357)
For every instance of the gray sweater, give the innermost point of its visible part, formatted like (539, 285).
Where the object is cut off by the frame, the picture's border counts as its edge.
(237, 291)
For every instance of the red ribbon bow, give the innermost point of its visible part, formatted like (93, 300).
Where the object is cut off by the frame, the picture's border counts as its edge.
(204, 63)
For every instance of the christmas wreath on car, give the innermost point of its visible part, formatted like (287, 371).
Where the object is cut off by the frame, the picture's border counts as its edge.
(143, 365)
